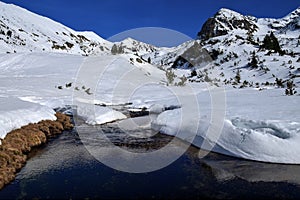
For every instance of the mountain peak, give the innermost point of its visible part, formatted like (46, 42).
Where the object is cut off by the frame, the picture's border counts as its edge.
(294, 13)
(228, 14)
(132, 45)
(129, 40)
(291, 21)
(226, 20)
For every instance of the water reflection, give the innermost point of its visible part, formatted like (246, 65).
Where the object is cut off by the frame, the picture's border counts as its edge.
(64, 169)
(227, 168)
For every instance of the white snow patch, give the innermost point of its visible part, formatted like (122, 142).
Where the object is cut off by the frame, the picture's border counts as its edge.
(156, 108)
(98, 115)
(17, 113)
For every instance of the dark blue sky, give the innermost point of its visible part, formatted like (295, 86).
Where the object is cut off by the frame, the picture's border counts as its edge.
(110, 17)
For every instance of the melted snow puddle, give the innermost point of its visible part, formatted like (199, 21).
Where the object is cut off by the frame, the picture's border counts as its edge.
(65, 169)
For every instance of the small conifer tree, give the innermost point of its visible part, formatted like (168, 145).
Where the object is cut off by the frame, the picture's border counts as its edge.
(254, 61)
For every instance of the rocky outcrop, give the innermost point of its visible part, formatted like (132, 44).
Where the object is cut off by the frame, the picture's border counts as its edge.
(195, 55)
(224, 21)
(18, 143)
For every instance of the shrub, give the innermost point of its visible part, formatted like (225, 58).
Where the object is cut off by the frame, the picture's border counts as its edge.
(290, 90)
(279, 82)
(139, 60)
(182, 81)
(193, 73)
(69, 45)
(170, 76)
(9, 33)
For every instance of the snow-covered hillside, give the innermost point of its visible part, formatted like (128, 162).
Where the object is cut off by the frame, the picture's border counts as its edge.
(133, 46)
(241, 52)
(256, 60)
(51, 80)
(24, 31)
(243, 56)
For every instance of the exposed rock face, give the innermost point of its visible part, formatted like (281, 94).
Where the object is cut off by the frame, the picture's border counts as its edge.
(19, 142)
(195, 55)
(224, 21)
(209, 30)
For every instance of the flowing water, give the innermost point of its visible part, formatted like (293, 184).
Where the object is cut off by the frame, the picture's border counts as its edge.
(63, 168)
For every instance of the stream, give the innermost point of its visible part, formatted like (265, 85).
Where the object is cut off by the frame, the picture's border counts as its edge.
(64, 168)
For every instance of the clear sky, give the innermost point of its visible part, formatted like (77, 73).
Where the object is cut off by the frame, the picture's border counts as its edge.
(110, 17)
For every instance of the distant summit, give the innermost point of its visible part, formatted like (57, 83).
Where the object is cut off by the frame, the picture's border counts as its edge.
(226, 20)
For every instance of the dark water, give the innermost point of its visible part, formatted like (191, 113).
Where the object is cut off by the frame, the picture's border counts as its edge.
(64, 169)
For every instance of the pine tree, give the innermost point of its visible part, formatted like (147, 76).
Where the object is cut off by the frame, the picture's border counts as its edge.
(117, 49)
(238, 76)
(270, 42)
(267, 42)
(114, 49)
(254, 62)
(275, 43)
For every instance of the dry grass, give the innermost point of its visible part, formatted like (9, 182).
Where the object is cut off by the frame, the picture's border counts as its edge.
(19, 142)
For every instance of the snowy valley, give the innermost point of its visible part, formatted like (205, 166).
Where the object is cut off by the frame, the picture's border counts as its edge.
(241, 72)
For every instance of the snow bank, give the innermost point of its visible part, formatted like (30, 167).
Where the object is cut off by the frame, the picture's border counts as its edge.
(274, 141)
(104, 115)
(171, 122)
(97, 114)
(17, 113)
(156, 108)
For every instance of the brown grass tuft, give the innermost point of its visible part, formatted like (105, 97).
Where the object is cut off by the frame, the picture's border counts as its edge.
(19, 142)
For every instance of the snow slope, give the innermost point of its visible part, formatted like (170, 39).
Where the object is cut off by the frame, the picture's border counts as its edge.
(52, 80)
(24, 31)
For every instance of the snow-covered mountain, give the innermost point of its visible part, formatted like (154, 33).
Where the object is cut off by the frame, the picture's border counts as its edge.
(131, 45)
(24, 31)
(224, 21)
(242, 53)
